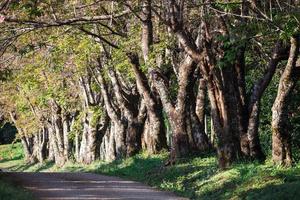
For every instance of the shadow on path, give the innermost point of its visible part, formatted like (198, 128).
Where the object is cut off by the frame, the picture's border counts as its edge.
(85, 186)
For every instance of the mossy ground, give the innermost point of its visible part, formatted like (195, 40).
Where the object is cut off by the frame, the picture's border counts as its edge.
(193, 177)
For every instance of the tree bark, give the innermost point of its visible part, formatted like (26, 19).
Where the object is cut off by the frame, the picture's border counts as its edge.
(157, 140)
(250, 143)
(281, 138)
(129, 112)
(27, 150)
(200, 138)
(184, 139)
(200, 101)
(66, 130)
(147, 28)
(90, 127)
(59, 158)
(51, 156)
(58, 133)
(118, 132)
(40, 140)
(77, 147)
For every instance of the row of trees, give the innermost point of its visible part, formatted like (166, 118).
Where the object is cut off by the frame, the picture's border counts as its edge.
(107, 79)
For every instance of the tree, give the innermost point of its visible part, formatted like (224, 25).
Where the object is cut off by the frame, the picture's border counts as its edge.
(281, 139)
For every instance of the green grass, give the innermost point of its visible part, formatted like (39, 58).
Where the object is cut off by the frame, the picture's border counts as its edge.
(9, 191)
(194, 177)
(11, 155)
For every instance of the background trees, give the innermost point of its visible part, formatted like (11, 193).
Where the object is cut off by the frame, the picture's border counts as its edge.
(106, 79)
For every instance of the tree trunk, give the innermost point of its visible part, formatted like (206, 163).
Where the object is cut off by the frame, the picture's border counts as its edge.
(51, 156)
(77, 147)
(281, 138)
(200, 138)
(102, 130)
(40, 145)
(250, 143)
(129, 111)
(58, 155)
(91, 138)
(88, 140)
(104, 146)
(222, 121)
(118, 130)
(27, 150)
(133, 137)
(58, 133)
(147, 29)
(83, 142)
(187, 131)
(157, 140)
(111, 145)
(200, 101)
(255, 150)
(153, 130)
(66, 131)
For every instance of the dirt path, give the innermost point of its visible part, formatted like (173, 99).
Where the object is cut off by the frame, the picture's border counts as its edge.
(85, 186)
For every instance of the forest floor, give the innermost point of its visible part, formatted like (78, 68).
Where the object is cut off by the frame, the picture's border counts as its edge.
(193, 177)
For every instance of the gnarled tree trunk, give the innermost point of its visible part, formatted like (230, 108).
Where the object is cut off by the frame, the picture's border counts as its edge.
(187, 131)
(157, 138)
(250, 144)
(281, 138)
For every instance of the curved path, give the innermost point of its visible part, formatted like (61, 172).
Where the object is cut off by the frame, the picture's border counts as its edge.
(85, 186)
